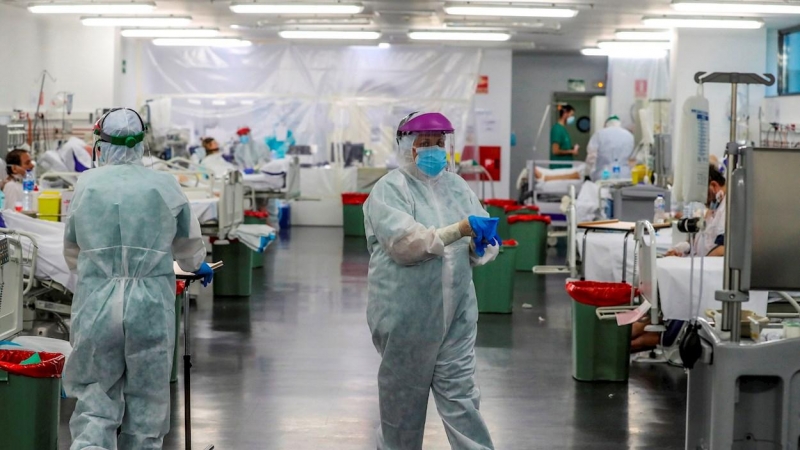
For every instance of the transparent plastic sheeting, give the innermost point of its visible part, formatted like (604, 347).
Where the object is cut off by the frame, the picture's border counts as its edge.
(623, 75)
(323, 94)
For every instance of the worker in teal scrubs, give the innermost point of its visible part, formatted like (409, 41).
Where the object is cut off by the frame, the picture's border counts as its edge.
(561, 148)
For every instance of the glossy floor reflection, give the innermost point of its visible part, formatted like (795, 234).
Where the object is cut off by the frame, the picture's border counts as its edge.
(293, 367)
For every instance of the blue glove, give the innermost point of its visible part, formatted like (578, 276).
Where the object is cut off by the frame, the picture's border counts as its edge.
(207, 273)
(249, 171)
(484, 230)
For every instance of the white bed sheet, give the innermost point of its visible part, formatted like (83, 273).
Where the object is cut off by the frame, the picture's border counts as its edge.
(673, 287)
(50, 264)
(265, 182)
(603, 259)
(205, 209)
(558, 186)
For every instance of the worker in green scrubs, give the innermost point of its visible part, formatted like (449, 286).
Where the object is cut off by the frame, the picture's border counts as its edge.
(561, 148)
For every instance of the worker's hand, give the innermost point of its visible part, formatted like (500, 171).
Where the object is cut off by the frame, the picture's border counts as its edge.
(206, 272)
(249, 171)
(575, 149)
(484, 232)
(673, 252)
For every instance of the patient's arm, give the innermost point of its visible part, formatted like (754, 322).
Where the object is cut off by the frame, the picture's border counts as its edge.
(717, 251)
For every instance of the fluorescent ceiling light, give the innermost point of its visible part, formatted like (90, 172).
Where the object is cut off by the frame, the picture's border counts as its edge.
(458, 36)
(294, 8)
(92, 8)
(247, 102)
(634, 45)
(736, 7)
(643, 35)
(624, 53)
(537, 25)
(171, 32)
(139, 21)
(200, 42)
(315, 21)
(347, 35)
(194, 101)
(384, 45)
(510, 11)
(219, 102)
(702, 22)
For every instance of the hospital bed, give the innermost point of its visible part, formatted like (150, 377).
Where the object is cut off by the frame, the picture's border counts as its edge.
(571, 268)
(48, 282)
(547, 195)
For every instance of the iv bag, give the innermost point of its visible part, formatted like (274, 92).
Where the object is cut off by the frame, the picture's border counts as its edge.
(691, 177)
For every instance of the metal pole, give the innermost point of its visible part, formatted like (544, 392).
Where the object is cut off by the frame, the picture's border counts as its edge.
(187, 370)
(731, 311)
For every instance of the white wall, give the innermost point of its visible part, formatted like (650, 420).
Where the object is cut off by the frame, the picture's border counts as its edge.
(535, 78)
(80, 58)
(716, 51)
(20, 51)
(496, 106)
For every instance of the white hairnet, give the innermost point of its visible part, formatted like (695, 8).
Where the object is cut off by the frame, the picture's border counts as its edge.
(122, 122)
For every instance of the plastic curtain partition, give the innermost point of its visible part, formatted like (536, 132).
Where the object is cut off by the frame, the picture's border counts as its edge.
(323, 94)
(632, 79)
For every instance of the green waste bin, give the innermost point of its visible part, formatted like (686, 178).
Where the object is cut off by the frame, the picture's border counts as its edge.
(530, 232)
(256, 218)
(29, 396)
(494, 282)
(496, 207)
(353, 213)
(235, 279)
(522, 209)
(600, 348)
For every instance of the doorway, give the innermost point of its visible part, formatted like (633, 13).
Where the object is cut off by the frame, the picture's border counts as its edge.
(580, 131)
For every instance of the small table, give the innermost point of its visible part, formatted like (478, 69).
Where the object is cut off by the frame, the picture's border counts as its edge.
(612, 226)
(188, 278)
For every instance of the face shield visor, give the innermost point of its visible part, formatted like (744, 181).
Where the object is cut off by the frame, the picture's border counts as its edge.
(432, 149)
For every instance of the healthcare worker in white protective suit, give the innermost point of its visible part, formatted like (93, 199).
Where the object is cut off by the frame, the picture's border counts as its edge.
(607, 146)
(126, 225)
(422, 310)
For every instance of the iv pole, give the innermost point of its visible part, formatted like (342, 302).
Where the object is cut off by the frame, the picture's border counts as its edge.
(732, 298)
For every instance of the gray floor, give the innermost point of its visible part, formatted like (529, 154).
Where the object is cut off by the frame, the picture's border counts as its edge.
(293, 367)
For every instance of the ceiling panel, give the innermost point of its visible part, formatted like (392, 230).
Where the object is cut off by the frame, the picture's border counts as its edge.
(595, 21)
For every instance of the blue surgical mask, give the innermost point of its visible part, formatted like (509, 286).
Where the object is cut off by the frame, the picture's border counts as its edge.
(570, 120)
(431, 160)
(244, 139)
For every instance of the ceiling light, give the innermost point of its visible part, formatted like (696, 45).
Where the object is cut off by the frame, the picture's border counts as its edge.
(92, 8)
(347, 35)
(247, 102)
(702, 22)
(200, 42)
(634, 45)
(293, 8)
(171, 32)
(315, 21)
(139, 21)
(643, 35)
(194, 101)
(219, 102)
(384, 45)
(624, 53)
(458, 36)
(534, 26)
(736, 7)
(510, 11)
